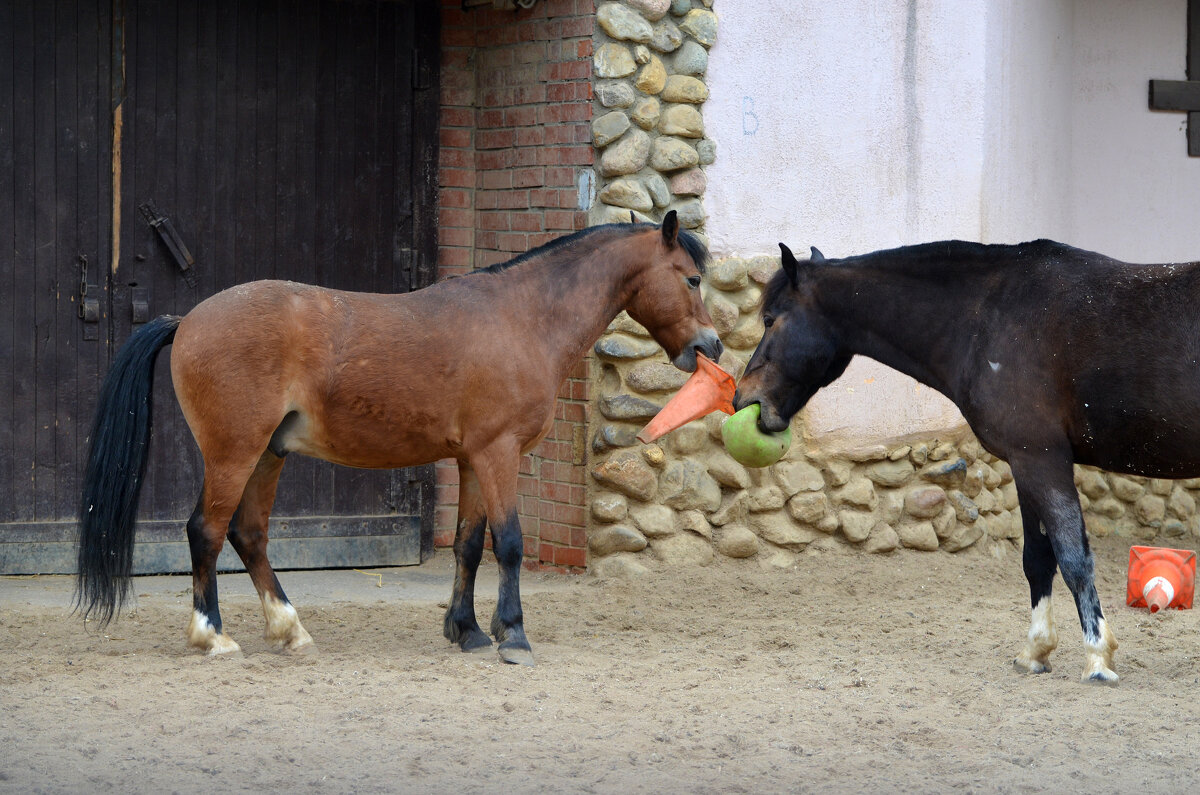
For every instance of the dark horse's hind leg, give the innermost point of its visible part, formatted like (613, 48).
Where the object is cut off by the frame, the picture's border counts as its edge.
(1040, 564)
(460, 625)
(248, 535)
(1047, 492)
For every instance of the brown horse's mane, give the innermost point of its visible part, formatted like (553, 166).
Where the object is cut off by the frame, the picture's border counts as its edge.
(692, 244)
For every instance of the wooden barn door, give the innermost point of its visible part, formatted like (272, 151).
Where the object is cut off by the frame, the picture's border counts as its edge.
(290, 140)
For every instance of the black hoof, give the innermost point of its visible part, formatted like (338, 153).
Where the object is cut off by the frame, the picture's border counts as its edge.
(475, 641)
(516, 654)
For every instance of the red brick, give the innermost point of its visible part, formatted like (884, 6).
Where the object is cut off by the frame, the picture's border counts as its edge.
(454, 257)
(456, 177)
(496, 221)
(495, 159)
(495, 139)
(528, 177)
(570, 556)
(526, 222)
(531, 136)
(495, 180)
(455, 237)
(513, 241)
(455, 197)
(451, 217)
(512, 199)
(560, 177)
(458, 117)
(456, 158)
(523, 116)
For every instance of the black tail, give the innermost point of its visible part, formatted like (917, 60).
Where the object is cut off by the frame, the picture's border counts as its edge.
(116, 463)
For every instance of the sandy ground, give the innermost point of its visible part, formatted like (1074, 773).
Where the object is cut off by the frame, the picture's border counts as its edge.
(847, 673)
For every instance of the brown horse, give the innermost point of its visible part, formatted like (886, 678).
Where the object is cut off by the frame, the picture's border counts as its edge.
(468, 369)
(1054, 355)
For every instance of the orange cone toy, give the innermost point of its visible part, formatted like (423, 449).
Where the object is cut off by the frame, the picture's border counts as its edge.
(1160, 577)
(709, 389)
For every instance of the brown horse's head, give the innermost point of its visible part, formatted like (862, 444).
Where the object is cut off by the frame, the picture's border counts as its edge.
(664, 295)
(799, 351)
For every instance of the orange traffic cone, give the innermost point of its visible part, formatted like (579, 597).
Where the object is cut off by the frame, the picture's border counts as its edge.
(710, 388)
(1161, 578)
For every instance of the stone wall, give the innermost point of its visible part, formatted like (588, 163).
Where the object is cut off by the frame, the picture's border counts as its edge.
(683, 500)
(649, 64)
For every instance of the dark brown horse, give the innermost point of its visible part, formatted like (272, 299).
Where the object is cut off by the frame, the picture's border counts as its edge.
(465, 369)
(1055, 356)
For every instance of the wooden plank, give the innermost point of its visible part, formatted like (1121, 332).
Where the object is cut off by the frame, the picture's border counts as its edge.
(10, 336)
(315, 542)
(45, 261)
(224, 171)
(403, 253)
(426, 105)
(242, 215)
(68, 333)
(94, 208)
(262, 206)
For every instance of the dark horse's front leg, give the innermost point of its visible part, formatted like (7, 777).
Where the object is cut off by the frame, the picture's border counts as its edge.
(461, 626)
(1048, 500)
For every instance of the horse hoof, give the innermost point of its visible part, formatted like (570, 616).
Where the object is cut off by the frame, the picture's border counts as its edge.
(308, 649)
(1024, 666)
(1104, 677)
(516, 655)
(475, 642)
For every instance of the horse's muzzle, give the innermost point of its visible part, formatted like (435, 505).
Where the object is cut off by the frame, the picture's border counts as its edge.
(706, 342)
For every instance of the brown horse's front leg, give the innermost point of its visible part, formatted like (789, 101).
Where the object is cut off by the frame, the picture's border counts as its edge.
(507, 621)
(496, 467)
(460, 625)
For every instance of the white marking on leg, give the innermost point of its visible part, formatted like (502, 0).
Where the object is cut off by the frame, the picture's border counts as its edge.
(284, 631)
(203, 635)
(994, 365)
(1042, 639)
(1097, 661)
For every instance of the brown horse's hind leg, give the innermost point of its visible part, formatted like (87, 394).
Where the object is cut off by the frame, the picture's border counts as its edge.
(206, 531)
(460, 625)
(497, 471)
(248, 536)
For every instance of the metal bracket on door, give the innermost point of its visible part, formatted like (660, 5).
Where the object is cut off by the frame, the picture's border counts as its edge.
(166, 230)
(89, 302)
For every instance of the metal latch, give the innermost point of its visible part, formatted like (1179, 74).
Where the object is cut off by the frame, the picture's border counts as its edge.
(139, 299)
(166, 230)
(89, 301)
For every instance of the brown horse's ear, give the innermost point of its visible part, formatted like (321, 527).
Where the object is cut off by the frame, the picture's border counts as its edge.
(789, 265)
(817, 256)
(670, 228)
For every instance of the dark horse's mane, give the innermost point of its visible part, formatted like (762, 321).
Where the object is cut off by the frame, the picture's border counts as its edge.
(949, 256)
(691, 244)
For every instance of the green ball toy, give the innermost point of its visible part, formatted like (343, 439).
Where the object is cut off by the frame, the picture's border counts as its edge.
(748, 445)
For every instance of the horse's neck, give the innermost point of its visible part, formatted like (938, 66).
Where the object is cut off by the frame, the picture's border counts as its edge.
(911, 325)
(571, 303)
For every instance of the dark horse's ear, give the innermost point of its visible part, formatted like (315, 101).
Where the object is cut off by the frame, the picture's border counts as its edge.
(670, 228)
(789, 265)
(817, 256)
(632, 217)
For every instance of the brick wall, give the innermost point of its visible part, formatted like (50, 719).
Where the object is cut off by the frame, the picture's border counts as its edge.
(515, 133)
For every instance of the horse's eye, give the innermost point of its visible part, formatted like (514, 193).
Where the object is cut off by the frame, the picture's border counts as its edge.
(768, 321)
(693, 282)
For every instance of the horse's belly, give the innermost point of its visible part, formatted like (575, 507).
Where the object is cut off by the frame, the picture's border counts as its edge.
(370, 442)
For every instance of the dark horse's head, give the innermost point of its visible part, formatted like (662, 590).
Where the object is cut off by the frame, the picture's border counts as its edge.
(799, 352)
(664, 295)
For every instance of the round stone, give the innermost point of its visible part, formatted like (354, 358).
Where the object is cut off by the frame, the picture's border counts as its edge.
(613, 60)
(684, 88)
(701, 25)
(609, 128)
(671, 154)
(622, 22)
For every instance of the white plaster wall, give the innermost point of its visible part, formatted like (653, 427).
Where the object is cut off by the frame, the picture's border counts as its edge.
(868, 133)
(1135, 194)
(858, 125)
